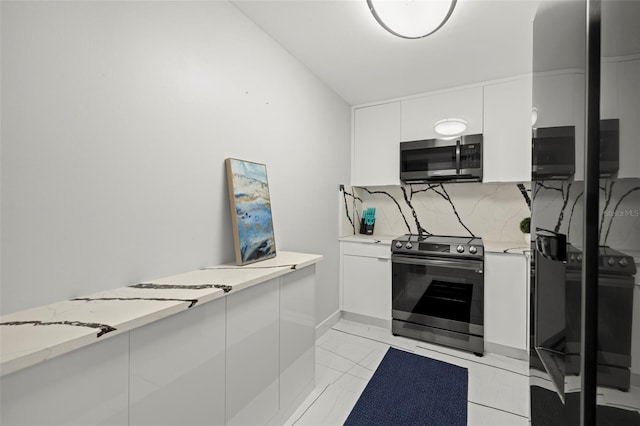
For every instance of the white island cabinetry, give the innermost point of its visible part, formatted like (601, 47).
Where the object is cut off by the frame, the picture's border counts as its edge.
(297, 337)
(252, 354)
(180, 350)
(86, 387)
(179, 359)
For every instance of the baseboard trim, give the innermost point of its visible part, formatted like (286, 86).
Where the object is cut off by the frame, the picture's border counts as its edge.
(508, 351)
(365, 319)
(326, 325)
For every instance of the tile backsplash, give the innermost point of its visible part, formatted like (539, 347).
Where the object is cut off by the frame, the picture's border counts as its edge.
(488, 210)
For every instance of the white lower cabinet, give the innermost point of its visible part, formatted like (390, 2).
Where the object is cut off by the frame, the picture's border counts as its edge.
(506, 295)
(178, 369)
(253, 367)
(85, 387)
(366, 278)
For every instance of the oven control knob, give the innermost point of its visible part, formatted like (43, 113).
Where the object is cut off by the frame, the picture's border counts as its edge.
(579, 258)
(473, 250)
(611, 261)
(409, 245)
(398, 244)
(459, 249)
(623, 262)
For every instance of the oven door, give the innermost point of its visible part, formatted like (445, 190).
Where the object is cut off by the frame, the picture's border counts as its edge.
(438, 292)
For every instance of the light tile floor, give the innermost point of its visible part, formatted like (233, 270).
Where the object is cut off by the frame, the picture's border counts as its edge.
(349, 353)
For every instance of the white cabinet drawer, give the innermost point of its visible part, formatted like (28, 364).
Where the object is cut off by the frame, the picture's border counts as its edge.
(381, 251)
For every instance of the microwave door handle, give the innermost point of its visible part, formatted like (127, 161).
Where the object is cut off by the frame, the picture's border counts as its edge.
(458, 157)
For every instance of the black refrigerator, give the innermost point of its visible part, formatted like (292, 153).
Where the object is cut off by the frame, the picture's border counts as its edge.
(585, 219)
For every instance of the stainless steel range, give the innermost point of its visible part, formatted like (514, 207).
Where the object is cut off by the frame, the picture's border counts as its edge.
(438, 290)
(556, 313)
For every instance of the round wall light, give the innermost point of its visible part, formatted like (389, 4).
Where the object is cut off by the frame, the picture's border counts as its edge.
(450, 126)
(534, 116)
(411, 18)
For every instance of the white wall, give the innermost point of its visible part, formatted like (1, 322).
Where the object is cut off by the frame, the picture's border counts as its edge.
(116, 120)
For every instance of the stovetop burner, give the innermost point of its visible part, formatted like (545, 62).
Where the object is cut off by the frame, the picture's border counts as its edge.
(609, 260)
(438, 245)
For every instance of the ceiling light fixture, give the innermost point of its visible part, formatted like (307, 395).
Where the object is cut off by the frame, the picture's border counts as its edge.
(450, 126)
(411, 18)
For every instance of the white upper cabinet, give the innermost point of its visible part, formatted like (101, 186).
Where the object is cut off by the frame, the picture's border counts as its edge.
(507, 131)
(559, 101)
(375, 157)
(628, 107)
(553, 98)
(501, 111)
(420, 114)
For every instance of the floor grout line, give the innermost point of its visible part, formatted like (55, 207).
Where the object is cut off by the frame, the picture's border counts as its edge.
(498, 409)
(434, 350)
(311, 405)
(388, 343)
(475, 361)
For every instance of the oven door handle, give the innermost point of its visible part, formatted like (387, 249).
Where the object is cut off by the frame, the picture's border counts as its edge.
(472, 265)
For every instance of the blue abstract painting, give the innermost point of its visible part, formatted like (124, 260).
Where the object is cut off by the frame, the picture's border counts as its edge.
(250, 211)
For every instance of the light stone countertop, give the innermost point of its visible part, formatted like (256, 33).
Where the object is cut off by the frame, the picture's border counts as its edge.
(373, 239)
(508, 247)
(34, 335)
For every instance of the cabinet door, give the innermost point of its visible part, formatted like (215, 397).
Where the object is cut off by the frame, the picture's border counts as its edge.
(376, 145)
(506, 300)
(629, 112)
(253, 371)
(85, 387)
(297, 336)
(178, 369)
(507, 132)
(420, 114)
(367, 286)
(553, 97)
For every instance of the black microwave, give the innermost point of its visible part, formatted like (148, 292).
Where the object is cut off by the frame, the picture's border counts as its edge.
(553, 151)
(442, 160)
(609, 147)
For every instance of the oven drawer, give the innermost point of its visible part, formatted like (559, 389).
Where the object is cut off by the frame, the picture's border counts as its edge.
(377, 250)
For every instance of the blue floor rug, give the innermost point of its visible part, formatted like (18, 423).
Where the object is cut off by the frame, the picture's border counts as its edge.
(409, 389)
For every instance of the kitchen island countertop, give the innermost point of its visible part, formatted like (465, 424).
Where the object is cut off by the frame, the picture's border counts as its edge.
(34, 335)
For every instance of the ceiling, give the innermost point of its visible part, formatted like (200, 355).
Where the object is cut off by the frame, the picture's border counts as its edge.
(342, 44)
